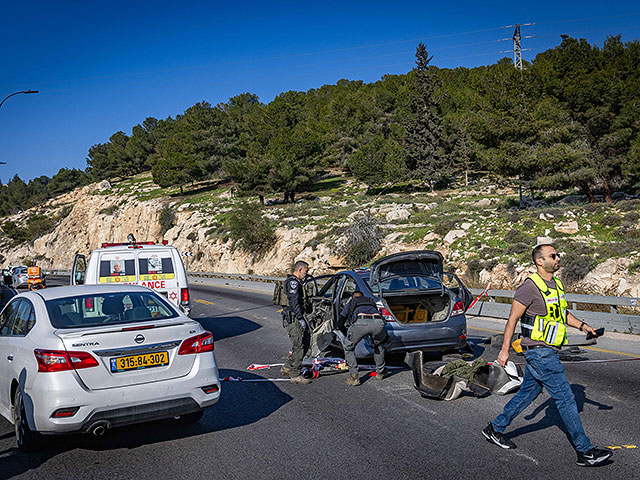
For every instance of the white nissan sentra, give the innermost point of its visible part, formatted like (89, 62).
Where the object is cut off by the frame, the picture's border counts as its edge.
(89, 358)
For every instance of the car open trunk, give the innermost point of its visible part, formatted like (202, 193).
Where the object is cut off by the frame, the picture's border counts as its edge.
(419, 307)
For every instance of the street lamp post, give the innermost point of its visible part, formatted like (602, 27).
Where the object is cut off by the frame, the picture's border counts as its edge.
(17, 93)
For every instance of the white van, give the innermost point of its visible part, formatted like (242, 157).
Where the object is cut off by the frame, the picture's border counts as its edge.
(156, 266)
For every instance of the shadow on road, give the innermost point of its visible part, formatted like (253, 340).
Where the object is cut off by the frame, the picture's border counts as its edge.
(240, 404)
(552, 417)
(227, 327)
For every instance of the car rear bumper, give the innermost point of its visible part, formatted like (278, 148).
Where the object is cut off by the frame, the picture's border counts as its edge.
(118, 406)
(119, 417)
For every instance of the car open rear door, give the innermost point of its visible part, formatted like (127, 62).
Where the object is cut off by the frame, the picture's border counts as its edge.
(321, 317)
(415, 263)
(79, 269)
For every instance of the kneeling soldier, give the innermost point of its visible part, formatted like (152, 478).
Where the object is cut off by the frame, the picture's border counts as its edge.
(362, 318)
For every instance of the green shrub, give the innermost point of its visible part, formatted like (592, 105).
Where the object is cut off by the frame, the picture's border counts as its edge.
(15, 233)
(166, 219)
(109, 210)
(519, 247)
(363, 239)
(37, 225)
(611, 220)
(575, 267)
(632, 216)
(635, 266)
(628, 205)
(529, 224)
(514, 236)
(445, 225)
(64, 212)
(491, 264)
(249, 230)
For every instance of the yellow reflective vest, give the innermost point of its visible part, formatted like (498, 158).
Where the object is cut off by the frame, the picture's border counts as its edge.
(552, 327)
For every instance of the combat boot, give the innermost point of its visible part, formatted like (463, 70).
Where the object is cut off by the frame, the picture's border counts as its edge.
(300, 380)
(353, 380)
(380, 375)
(286, 371)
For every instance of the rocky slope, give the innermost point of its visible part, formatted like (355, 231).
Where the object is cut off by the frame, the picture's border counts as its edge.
(96, 214)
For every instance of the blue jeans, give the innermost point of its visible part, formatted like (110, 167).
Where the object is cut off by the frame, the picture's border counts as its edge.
(543, 369)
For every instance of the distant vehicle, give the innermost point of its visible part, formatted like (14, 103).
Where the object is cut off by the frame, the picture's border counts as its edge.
(424, 307)
(89, 358)
(20, 277)
(156, 266)
(36, 278)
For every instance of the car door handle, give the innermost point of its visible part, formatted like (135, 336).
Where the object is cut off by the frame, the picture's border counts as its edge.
(10, 358)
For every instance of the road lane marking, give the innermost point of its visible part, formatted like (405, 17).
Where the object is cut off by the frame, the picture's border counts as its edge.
(611, 351)
(204, 302)
(485, 329)
(234, 288)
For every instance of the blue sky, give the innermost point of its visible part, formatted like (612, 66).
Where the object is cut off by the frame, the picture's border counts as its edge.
(101, 67)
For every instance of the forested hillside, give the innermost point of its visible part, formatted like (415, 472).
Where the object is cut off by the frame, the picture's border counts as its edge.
(570, 119)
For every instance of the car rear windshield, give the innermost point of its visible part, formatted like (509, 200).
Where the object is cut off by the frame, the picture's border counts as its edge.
(402, 282)
(107, 309)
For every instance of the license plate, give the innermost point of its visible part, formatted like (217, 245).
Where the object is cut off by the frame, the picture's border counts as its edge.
(137, 362)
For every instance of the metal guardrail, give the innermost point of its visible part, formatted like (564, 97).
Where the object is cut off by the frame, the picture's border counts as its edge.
(611, 320)
(490, 308)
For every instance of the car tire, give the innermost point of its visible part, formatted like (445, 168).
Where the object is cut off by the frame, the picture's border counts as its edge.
(190, 418)
(28, 440)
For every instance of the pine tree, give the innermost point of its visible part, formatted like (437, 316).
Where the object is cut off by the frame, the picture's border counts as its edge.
(424, 145)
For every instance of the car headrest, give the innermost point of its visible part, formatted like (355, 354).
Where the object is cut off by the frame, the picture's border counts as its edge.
(138, 313)
(112, 306)
(73, 318)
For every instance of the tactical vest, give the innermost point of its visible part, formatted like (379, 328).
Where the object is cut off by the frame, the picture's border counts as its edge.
(280, 297)
(552, 327)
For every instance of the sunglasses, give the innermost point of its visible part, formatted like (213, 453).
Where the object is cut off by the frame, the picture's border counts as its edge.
(554, 256)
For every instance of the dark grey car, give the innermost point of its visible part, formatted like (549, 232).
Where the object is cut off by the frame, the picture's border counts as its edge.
(423, 306)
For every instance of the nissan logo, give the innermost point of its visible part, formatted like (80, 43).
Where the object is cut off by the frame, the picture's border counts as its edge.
(139, 338)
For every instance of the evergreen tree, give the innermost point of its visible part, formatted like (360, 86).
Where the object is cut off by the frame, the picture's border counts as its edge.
(424, 146)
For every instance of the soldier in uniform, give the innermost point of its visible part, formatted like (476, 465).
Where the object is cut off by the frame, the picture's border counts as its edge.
(293, 320)
(362, 318)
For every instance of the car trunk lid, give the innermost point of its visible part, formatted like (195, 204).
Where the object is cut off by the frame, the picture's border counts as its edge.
(133, 353)
(415, 263)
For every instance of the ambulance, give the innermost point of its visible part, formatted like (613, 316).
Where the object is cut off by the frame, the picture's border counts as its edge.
(155, 266)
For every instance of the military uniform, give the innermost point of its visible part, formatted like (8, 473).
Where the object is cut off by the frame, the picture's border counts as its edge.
(362, 319)
(293, 320)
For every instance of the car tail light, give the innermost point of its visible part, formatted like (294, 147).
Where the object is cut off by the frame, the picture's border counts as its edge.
(198, 344)
(210, 389)
(458, 309)
(65, 412)
(184, 295)
(386, 314)
(61, 360)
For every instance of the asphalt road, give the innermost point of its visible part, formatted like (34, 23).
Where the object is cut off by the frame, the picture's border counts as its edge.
(330, 430)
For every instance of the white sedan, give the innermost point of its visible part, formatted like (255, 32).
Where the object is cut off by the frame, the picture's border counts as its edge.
(89, 358)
